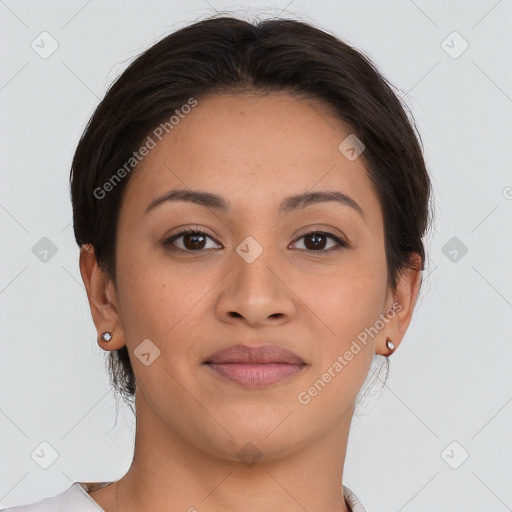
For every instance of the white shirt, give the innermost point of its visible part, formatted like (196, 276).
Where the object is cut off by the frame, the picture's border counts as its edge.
(76, 499)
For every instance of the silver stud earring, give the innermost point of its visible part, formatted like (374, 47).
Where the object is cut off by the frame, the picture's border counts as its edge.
(390, 344)
(106, 336)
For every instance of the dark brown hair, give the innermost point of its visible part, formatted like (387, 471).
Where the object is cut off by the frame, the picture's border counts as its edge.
(229, 55)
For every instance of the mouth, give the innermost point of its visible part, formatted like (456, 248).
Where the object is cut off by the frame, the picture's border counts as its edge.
(256, 365)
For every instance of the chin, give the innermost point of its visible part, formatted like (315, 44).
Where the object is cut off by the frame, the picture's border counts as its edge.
(262, 440)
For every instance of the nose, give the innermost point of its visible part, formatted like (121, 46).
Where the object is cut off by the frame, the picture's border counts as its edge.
(258, 293)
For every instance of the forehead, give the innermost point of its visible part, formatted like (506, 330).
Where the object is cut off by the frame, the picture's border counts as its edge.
(252, 148)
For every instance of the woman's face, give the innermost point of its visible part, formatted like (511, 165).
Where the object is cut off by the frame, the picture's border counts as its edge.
(254, 278)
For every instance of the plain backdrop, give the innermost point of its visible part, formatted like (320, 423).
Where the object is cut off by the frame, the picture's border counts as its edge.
(437, 436)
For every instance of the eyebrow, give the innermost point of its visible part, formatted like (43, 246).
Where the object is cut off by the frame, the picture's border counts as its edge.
(291, 203)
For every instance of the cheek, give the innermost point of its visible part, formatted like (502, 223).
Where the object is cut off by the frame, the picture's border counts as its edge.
(348, 299)
(163, 301)
(345, 306)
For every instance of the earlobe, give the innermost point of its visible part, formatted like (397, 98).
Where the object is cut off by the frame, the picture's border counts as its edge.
(101, 299)
(402, 307)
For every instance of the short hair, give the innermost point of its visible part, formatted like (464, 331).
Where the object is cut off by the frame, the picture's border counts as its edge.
(223, 54)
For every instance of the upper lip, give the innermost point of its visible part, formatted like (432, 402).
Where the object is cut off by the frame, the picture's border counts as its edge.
(256, 354)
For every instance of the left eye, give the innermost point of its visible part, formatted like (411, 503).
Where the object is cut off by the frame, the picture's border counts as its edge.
(195, 241)
(318, 241)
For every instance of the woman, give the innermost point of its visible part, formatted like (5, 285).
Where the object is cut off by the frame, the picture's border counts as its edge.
(250, 202)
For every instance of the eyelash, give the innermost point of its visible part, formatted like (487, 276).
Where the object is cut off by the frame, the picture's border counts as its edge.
(341, 244)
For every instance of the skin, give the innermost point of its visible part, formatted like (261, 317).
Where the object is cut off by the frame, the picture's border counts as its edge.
(254, 151)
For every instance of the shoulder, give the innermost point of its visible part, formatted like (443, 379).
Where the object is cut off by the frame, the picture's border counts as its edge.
(75, 498)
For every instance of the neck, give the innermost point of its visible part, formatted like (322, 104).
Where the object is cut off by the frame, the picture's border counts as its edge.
(167, 469)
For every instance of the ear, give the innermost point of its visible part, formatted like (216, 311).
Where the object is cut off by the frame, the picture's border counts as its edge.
(102, 299)
(400, 306)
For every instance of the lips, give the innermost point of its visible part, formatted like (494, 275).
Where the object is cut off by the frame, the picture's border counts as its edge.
(254, 354)
(255, 366)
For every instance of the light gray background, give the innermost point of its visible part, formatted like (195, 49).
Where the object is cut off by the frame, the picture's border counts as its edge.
(450, 380)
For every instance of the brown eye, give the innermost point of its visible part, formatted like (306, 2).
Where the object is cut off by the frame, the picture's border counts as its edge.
(193, 240)
(316, 241)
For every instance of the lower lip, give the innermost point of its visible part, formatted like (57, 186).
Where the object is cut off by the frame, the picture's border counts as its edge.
(256, 375)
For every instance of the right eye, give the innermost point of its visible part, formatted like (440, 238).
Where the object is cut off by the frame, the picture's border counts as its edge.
(193, 241)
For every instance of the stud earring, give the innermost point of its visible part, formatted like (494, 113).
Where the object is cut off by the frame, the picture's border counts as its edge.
(390, 344)
(106, 336)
